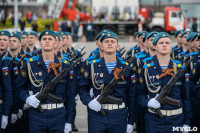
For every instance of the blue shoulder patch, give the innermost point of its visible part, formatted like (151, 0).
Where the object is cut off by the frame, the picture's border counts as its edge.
(117, 53)
(7, 58)
(95, 51)
(138, 53)
(148, 65)
(180, 65)
(91, 57)
(64, 61)
(94, 61)
(34, 58)
(182, 53)
(17, 59)
(124, 62)
(140, 56)
(177, 61)
(119, 58)
(134, 48)
(147, 59)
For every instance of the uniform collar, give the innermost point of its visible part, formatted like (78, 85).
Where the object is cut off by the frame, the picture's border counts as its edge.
(157, 65)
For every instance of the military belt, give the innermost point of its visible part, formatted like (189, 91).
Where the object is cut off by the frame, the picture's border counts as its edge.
(1, 101)
(51, 106)
(113, 106)
(169, 112)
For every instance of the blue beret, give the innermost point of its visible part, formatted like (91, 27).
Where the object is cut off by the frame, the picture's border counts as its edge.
(144, 38)
(47, 32)
(109, 35)
(101, 33)
(57, 34)
(32, 33)
(159, 36)
(190, 35)
(151, 34)
(24, 33)
(69, 34)
(64, 33)
(178, 32)
(15, 34)
(143, 33)
(5, 32)
(136, 34)
(19, 33)
(60, 34)
(184, 32)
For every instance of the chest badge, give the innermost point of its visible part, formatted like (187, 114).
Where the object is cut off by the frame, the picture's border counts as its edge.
(40, 73)
(101, 75)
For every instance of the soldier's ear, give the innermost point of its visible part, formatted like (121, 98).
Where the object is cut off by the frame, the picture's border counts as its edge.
(118, 46)
(101, 46)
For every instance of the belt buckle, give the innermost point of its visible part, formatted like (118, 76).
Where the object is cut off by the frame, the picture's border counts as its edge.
(168, 113)
(110, 107)
(49, 106)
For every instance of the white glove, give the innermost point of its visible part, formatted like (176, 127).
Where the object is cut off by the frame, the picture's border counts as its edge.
(4, 121)
(76, 98)
(68, 128)
(129, 128)
(91, 93)
(95, 105)
(20, 113)
(153, 103)
(33, 101)
(13, 118)
(185, 129)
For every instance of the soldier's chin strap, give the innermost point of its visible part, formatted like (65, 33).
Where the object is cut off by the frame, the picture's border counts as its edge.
(93, 82)
(30, 74)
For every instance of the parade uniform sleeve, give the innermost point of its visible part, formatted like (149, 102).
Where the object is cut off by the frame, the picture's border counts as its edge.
(22, 85)
(131, 91)
(185, 95)
(7, 91)
(142, 89)
(70, 98)
(85, 85)
(194, 78)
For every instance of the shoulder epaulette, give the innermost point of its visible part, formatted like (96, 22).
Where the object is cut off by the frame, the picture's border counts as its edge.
(95, 51)
(138, 53)
(180, 65)
(177, 61)
(124, 62)
(91, 57)
(182, 53)
(140, 56)
(64, 61)
(194, 53)
(17, 59)
(34, 58)
(29, 53)
(7, 58)
(119, 58)
(134, 48)
(147, 59)
(94, 61)
(148, 65)
(117, 53)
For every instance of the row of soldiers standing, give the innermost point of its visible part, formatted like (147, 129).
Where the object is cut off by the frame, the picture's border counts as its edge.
(138, 88)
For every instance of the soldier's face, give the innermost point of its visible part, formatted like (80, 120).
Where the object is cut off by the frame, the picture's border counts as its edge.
(164, 46)
(4, 42)
(64, 40)
(109, 45)
(150, 44)
(24, 40)
(140, 39)
(31, 39)
(60, 44)
(47, 43)
(196, 44)
(184, 39)
(69, 41)
(191, 44)
(178, 38)
(14, 43)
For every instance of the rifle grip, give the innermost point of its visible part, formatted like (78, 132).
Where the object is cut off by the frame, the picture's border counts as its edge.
(40, 108)
(159, 112)
(103, 113)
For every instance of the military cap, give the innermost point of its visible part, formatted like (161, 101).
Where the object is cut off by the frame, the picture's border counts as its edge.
(47, 32)
(60, 34)
(136, 34)
(101, 34)
(144, 38)
(69, 34)
(57, 34)
(194, 36)
(64, 33)
(108, 35)
(143, 33)
(15, 34)
(184, 32)
(5, 32)
(151, 34)
(19, 33)
(159, 36)
(190, 35)
(178, 32)
(24, 33)
(32, 33)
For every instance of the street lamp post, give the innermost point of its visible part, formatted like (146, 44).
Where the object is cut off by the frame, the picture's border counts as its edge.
(16, 16)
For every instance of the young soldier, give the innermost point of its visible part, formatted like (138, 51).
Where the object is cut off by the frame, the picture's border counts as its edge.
(99, 72)
(152, 79)
(57, 117)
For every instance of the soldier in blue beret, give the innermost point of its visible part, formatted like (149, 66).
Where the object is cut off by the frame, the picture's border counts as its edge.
(6, 97)
(65, 39)
(178, 39)
(24, 44)
(32, 39)
(57, 117)
(119, 118)
(152, 78)
(69, 43)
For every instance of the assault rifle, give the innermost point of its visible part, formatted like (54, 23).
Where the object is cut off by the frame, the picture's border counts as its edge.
(3, 54)
(19, 63)
(166, 90)
(108, 89)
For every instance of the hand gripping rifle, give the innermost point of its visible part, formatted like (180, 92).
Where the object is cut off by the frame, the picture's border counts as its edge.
(109, 88)
(45, 93)
(3, 54)
(166, 90)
